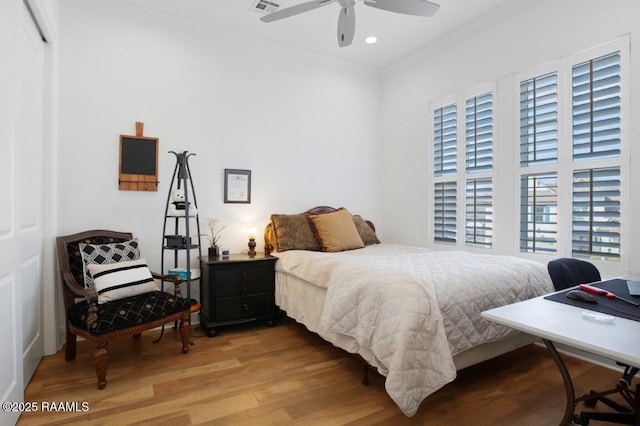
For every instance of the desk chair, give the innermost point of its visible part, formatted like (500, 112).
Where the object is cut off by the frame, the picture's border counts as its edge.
(565, 273)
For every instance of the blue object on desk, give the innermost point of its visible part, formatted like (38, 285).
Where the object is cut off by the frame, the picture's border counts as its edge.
(633, 287)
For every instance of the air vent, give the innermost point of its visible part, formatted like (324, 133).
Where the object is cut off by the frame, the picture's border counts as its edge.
(265, 6)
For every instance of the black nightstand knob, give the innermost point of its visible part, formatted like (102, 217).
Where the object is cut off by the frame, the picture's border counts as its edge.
(245, 307)
(244, 287)
(244, 274)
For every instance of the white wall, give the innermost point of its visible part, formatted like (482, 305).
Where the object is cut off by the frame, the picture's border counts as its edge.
(547, 31)
(307, 127)
(313, 130)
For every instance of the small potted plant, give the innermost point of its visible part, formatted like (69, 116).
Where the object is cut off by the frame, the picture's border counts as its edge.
(213, 236)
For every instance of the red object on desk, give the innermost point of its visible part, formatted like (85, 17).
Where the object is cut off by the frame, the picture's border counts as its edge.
(596, 290)
(608, 294)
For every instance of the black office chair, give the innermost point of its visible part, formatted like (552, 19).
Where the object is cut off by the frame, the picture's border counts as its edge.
(565, 273)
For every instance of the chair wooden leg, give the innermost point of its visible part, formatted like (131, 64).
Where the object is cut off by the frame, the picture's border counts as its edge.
(101, 361)
(137, 336)
(70, 346)
(185, 333)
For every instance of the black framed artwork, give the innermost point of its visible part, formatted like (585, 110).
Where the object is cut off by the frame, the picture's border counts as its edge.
(237, 186)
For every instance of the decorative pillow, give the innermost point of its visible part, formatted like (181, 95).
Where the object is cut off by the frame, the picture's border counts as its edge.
(293, 232)
(367, 234)
(105, 254)
(115, 281)
(336, 230)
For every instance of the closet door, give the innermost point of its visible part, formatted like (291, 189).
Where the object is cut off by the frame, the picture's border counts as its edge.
(29, 196)
(21, 235)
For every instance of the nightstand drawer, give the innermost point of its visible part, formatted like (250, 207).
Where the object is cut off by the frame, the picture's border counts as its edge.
(243, 281)
(241, 307)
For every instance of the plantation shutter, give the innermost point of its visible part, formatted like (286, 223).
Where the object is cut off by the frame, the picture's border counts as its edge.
(596, 108)
(479, 213)
(596, 131)
(538, 213)
(596, 213)
(444, 225)
(445, 140)
(479, 133)
(539, 120)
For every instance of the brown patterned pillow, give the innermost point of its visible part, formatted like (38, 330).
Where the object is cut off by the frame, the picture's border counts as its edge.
(293, 232)
(367, 234)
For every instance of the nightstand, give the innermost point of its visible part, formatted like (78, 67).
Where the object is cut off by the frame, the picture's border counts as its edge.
(236, 289)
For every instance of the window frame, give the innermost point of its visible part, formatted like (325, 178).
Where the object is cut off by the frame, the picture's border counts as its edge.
(461, 176)
(566, 166)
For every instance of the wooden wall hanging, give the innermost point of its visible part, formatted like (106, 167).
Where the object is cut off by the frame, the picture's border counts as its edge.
(138, 169)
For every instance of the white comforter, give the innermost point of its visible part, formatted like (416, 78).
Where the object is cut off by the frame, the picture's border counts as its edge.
(413, 308)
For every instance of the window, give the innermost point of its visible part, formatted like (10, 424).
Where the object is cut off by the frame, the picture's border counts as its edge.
(538, 213)
(445, 140)
(479, 213)
(596, 108)
(539, 120)
(538, 148)
(596, 135)
(479, 133)
(479, 159)
(473, 178)
(596, 213)
(592, 162)
(444, 226)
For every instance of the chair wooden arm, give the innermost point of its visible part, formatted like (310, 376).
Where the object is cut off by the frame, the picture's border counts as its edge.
(175, 279)
(89, 294)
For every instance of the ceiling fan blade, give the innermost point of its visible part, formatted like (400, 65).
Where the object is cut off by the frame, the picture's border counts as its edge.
(294, 10)
(346, 26)
(407, 7)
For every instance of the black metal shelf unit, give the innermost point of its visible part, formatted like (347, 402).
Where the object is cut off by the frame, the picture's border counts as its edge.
(179, 244)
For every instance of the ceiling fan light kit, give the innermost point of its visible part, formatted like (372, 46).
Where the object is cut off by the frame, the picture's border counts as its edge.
(347, 17)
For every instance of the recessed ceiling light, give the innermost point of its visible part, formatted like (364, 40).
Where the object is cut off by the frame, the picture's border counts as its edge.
(371, 40)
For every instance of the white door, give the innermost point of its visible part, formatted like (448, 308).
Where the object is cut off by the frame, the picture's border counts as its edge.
(21, 235)
(29, 181)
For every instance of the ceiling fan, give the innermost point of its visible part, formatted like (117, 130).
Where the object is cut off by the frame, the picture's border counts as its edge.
(347, 18)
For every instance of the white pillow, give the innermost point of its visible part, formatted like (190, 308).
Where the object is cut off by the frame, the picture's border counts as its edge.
(115, 281)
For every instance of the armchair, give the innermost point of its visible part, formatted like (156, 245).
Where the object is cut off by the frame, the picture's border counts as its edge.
(101, 320)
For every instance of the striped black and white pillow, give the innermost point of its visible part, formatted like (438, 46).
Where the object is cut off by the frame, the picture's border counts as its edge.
(115, 281)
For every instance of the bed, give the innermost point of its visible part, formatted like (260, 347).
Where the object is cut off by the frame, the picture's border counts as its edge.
(411, 313)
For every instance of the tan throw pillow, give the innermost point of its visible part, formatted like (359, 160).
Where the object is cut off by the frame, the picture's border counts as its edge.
(336, 231)
(367, 234)
(293, 232)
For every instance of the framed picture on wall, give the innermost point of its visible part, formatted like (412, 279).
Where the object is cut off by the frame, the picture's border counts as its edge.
(237, 186)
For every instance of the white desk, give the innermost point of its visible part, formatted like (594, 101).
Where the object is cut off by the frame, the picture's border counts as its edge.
(557, 322)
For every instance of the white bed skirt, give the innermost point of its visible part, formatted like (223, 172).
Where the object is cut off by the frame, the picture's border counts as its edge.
(304, 303)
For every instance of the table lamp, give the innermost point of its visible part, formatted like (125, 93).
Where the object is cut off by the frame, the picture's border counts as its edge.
(252, 242)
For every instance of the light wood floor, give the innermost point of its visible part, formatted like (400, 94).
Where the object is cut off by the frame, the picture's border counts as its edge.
(287, 375)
